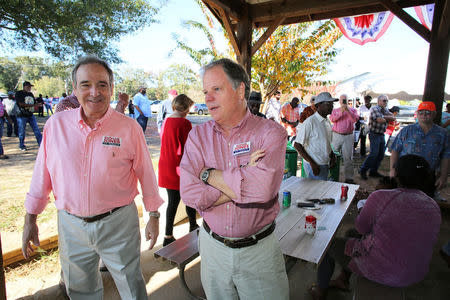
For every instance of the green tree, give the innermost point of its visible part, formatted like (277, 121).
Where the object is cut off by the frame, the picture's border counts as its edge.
(72, 27)
(49, 86)
(129, 80)
(10, 73)
(179, 77)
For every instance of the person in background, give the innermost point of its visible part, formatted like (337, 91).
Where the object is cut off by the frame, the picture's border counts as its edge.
(48, 105)
(71, 102)
(445, 119)
(391, 127)
(174, 133)
(131, 109)
(313, 141)
(397, 242)
(3, 116)
(290, 117)
(344, 119)
(254, 104)
(143, 108)
(224, 164)
(27, 105)
(165, 108)
(40, 101)
(12, 110)
(308, 111)
(273, 107)
(64, 95)
(104, 155)
(379, 117)
(364, 115)
(427, 140)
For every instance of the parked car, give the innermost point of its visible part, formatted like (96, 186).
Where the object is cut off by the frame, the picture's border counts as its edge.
(155, 105)
(199, 108)
(407, 114)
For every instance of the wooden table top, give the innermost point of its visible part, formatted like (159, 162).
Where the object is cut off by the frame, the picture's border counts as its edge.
(290, 221)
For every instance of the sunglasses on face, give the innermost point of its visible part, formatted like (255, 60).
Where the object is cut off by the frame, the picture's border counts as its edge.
(385, 101)
(424, 112)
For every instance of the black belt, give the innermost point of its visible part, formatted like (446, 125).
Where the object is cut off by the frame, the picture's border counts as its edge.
(343, 133)
(240, 243)
(99, 217)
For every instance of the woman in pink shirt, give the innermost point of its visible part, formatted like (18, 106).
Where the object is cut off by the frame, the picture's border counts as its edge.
(399, 228)
(174, 133)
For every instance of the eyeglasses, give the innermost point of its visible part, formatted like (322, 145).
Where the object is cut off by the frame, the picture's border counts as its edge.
(385, 101)
(424, 112)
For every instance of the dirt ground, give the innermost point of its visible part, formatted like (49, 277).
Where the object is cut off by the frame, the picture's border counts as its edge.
(15, 177)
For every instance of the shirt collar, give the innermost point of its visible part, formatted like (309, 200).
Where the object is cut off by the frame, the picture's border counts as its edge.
(319, 117)
(248, 115)
(98, 123)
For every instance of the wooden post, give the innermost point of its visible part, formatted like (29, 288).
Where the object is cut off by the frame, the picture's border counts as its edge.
(2, 274)
(438, 57)
(244, 36)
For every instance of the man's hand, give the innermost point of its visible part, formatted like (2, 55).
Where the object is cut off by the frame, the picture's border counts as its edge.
(30, 234)
(255, 157)
(152, 231)
(441, 182)
(315, 168)
(222, 199)
(344, 107)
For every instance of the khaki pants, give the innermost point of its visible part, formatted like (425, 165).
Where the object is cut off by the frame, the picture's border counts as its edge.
(116, 240)
(344, 144)
(255, 272)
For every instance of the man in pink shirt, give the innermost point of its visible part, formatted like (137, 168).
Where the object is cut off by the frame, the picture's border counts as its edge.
(91, 162)
(344, 119)
(231, 172)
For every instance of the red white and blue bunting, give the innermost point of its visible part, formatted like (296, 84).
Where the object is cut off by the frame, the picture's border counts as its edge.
(365, 28)
(425, 14)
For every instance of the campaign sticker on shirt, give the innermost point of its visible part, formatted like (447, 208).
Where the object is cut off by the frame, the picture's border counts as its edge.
(241, 148)
(111, 141)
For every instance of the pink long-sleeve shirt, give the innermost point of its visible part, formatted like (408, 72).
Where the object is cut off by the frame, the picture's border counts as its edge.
(344, 121)
(256, 188)
(92, 171)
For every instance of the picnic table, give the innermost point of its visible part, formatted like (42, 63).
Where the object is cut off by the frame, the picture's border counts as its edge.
(294, 241)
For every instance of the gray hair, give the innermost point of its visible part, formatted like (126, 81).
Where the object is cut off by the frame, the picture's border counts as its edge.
(235, 72)
(383, 97)
(91, 59)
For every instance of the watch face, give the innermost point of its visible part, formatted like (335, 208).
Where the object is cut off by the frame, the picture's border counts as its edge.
(205, 175)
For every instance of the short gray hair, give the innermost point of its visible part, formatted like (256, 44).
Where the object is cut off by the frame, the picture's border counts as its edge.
(235, 72)
(383, 97)
(92, 59)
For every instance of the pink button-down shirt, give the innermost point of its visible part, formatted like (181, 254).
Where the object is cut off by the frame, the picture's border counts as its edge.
(344, 122)
(92, 171)
(256, 204)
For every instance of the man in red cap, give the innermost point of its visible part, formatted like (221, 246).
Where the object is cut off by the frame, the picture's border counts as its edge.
(165, 109)
(427, 140)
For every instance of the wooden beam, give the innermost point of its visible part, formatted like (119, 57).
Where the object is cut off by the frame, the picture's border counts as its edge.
(244, 36)
(2, 274)
(438, 57)
(266, 35)
(232, 7)
(407, 19)
(229, 29)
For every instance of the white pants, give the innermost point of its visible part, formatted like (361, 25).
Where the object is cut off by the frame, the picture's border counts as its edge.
(116, 240)
(344, 145)
(256, 272)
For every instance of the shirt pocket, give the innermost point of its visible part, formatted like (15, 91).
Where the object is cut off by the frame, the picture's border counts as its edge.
(243, 160)
(116, 157)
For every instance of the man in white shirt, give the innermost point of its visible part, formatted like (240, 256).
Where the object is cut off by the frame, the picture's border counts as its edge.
(313, 141)
(165, 109)
(143, 109)
(273, 108)
(364, 113)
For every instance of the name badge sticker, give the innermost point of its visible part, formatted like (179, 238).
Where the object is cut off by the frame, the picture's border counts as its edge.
(111, 141)
(241, 148)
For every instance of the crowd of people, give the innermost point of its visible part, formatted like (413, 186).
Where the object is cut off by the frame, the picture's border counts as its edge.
(98, 155)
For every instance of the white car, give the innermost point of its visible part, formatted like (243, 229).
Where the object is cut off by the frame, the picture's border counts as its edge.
(155, 105)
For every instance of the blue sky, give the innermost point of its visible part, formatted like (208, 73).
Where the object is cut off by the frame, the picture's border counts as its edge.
(400, 55)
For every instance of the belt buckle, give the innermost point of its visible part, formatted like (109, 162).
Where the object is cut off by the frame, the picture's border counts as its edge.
(228, 243)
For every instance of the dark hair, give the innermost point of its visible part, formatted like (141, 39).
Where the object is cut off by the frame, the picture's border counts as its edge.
(295, 98)
(235, 72)
(91, 59)
(182, 103)
(386, 183)
(413, 172)
(367, 98)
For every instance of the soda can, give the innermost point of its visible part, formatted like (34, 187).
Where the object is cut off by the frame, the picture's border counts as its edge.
(344, 192)
(286, 198)
(310, 224)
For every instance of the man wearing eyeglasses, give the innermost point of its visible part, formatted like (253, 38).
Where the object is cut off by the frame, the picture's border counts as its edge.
(427, 140)
(378, 120)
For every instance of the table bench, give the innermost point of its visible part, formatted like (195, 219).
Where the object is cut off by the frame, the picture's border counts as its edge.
(180, 253)
(369, 290)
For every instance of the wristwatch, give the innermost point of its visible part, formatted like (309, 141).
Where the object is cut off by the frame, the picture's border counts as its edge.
(155, 214)
(205, 175)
